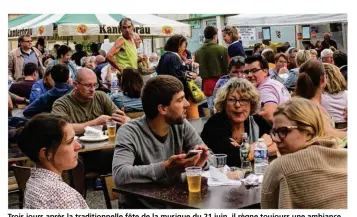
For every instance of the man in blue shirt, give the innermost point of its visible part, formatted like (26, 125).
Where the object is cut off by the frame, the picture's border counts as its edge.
(60, 75)
(236, 68)
(41, 86)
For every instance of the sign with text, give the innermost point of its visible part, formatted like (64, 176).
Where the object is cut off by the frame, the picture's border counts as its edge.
(247, 33)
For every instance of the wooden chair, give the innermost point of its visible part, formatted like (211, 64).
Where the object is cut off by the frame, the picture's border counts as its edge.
(134, 115)
(22, 174)
(76, 178)
(107, 185)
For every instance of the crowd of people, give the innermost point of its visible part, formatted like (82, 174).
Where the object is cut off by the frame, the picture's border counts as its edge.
(290, 98)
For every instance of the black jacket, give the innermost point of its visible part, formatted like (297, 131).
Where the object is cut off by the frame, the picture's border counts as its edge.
(171, 64)
(218, 130)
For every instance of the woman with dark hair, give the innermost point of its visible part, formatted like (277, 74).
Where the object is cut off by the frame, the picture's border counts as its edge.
(50, 142)
(172, 64)
(129, 97)
(94, 49)
(40, 45)
(231, 36)
(310, 85)
(63, 57)
(258, 49)
(269, 55)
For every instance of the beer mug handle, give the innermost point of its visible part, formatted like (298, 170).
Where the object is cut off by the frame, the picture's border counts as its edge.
(105, 132)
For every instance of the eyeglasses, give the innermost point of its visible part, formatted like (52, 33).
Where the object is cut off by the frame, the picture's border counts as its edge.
(282, 132)
(242, 102)
(282, 61)
(89, 86)
(27, 41)
(251, 70)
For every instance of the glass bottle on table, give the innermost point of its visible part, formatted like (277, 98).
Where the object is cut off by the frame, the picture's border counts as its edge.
(244, 152)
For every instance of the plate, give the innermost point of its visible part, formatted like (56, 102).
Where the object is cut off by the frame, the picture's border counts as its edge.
(95, 139)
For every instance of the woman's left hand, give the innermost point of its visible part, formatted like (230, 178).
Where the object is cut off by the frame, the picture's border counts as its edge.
(234, 142)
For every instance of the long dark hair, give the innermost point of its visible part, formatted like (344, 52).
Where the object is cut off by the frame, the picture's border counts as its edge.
(132, 82)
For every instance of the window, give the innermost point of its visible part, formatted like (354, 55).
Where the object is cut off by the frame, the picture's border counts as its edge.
(266, 33)
(306, 32)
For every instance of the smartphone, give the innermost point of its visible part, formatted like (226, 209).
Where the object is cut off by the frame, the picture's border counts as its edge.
(192, 153)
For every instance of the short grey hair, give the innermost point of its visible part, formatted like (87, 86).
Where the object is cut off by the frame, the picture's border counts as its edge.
(244, 88)
(84, 60)
(302, 56)
(326, 52)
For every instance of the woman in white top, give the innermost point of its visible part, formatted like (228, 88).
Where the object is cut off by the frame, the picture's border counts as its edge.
(49, 141)
(334, 97)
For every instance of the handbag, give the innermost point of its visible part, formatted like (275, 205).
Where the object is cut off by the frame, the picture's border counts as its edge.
(197, 94)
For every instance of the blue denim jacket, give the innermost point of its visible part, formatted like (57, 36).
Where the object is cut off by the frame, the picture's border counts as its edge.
(44, 103)
(292, 78)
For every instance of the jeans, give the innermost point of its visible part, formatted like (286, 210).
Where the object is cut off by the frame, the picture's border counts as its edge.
(210, 104)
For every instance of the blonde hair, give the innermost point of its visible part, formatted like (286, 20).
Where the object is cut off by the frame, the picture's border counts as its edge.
(335, 80)
(232, 31)
(302, 56)
(306, 115)
(313, 52)
(243, 87)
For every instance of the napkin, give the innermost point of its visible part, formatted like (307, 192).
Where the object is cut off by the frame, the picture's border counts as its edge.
(219, 177)
(253, 179)
(92, 132)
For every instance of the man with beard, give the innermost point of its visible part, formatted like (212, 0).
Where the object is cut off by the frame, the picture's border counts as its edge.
(149, 149)
(123, 54)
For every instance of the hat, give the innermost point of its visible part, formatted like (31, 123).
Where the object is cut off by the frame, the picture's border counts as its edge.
(286, 44)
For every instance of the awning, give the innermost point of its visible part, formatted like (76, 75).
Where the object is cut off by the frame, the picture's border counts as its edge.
(94, 24)
(284, 19)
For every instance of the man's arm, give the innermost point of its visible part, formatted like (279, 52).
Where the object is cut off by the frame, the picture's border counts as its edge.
(124, 170)
(119, 43)
(267, 112)
(193, 141)
(60, 109)
(11, 65)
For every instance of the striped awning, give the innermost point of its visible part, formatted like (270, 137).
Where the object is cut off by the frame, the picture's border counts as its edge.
(93, 24)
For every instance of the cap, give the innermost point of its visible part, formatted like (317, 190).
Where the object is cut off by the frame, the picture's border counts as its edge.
(286, 44)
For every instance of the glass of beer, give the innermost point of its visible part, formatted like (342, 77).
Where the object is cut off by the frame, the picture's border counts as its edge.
(111, 128)
(194, 178)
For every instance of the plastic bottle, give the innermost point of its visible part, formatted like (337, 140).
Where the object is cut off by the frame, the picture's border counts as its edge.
(260, 157)
(114, 84)
(244, 151)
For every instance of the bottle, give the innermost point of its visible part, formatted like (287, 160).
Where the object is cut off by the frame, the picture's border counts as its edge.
(260, 157)
(10, 81)
(244, 151)
(114, 83)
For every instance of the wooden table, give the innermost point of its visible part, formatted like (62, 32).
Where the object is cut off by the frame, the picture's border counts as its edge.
(177, 196)
(16, 155)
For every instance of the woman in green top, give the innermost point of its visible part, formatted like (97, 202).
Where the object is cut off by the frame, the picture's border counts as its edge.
(123, 54)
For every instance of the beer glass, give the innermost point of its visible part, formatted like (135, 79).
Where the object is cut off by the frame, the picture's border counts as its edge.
(111, 128)
(194, 178)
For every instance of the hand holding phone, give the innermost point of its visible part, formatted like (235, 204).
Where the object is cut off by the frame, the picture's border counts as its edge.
(192, 153)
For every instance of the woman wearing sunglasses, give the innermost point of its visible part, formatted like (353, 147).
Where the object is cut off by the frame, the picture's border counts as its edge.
(312, 171)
